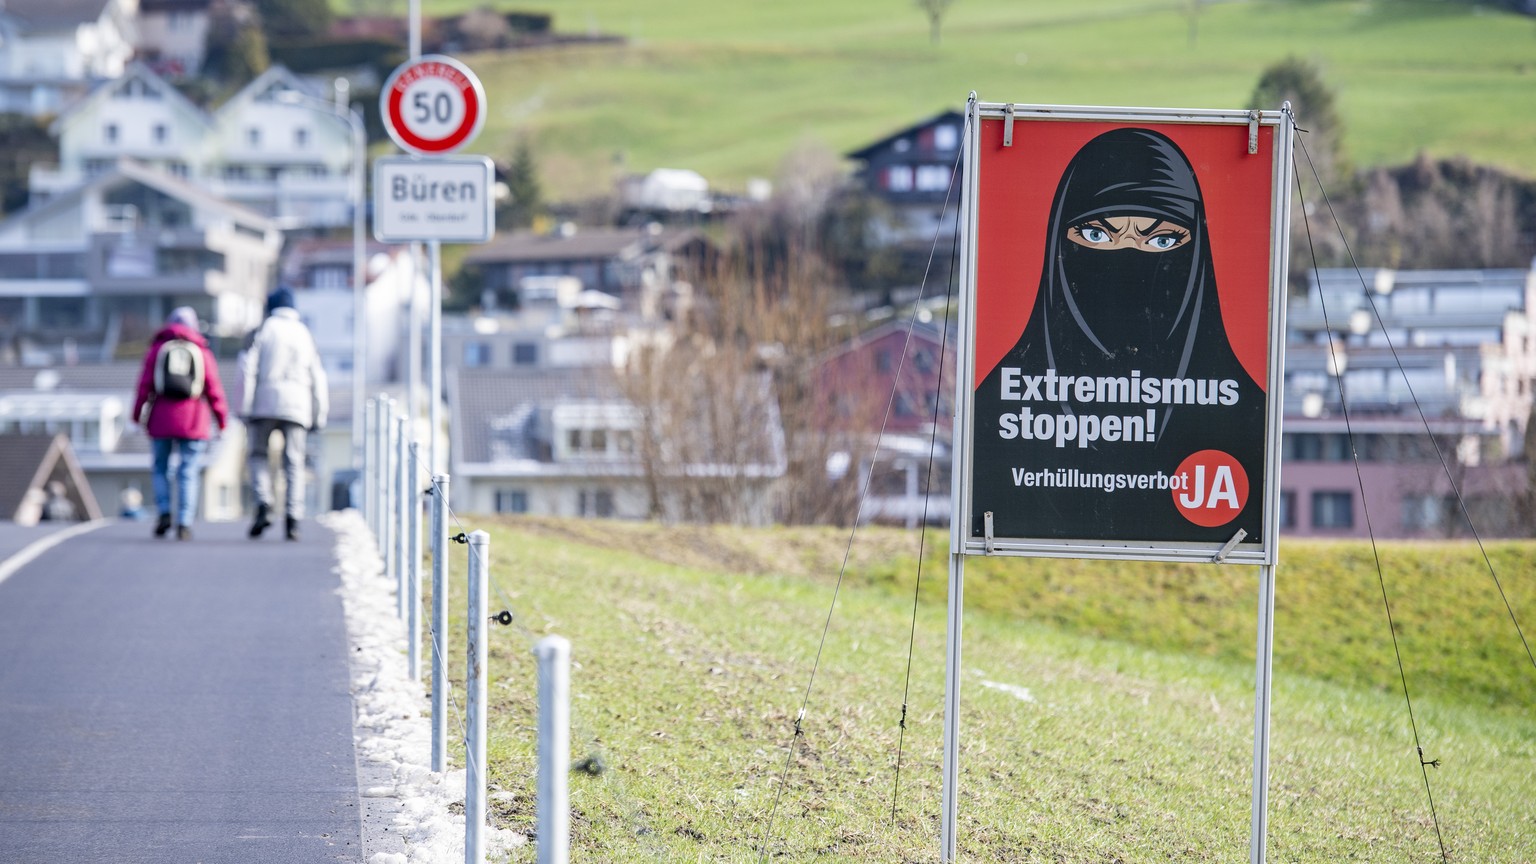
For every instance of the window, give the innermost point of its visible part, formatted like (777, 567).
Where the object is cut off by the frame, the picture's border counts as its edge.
(945, 137)
(477, 354)
(595, 502)
(109, 133)
(511, 501)
(932, 178)
(898, 178)
(1333, 510)
(1421, 512)
(1303, 447)
(253, 136)
(1287, 509)
(301, 138)
(883, 361)
(162, 133)
(525, 354)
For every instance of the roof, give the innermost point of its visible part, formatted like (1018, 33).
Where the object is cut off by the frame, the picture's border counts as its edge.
(869, 150)
(585, 244)
(488, 404)
(503, 420)
(54, 14)
(27, 464)
(135, 70)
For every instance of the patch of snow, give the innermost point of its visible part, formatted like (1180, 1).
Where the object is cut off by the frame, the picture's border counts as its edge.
(1020, 693)
(391, 732)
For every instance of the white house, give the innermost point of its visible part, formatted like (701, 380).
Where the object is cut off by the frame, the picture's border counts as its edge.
(276, 148)
(137, 116)
(173, 35)
(104, 263)
(52, 50)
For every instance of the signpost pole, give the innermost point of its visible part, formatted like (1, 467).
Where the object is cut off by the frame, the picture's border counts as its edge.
(1265, 663)
(951, 802)
(435, 350)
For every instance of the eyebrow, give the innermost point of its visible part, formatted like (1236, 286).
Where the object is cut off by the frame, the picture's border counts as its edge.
(1158, 224)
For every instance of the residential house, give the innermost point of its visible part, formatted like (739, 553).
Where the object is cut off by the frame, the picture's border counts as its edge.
(648, 269)
(89, 405)
(916, 172)
(1435, 369)
(889, 397)
(92, 273)
(52, 52)
(173, 36)
(275, 149)
(137, 116)
(572, 442)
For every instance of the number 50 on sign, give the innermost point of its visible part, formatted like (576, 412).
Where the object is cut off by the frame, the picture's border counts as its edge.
(432, 105)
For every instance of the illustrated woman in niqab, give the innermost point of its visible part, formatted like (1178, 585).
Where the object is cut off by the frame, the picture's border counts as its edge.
(1127, 286)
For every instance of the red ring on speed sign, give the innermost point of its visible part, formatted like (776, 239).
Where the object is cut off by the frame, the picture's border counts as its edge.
(449, 79)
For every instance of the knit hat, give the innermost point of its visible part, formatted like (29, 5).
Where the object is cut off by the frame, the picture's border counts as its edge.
(183, 315)
(282, 297)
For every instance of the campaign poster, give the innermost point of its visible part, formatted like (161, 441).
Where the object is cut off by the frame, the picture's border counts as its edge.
(1124, 274)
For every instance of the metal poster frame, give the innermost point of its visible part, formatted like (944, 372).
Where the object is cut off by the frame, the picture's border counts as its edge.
(1263, 552)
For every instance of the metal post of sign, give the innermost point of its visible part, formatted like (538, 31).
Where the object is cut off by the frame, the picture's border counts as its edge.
(475, 686)
(413, 353)
(413, 581)
(1266, 642)
(439, 630)
(435, 350)
(950, 803)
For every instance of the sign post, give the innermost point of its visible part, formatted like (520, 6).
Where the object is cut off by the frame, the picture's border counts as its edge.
(1122, 327)
(432, 106)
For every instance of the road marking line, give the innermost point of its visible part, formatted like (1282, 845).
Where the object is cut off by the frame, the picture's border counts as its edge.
(39, 546)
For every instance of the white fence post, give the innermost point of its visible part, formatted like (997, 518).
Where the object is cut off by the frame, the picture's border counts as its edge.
(553, 805)
(475, 686)
(386, 427)
(370, 427)
(402, 511)
(413, 618)
(438, 534)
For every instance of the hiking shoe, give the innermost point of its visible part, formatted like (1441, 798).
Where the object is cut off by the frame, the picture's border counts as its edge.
(261, 522)
(183, 532)
(163, 524)
(292, 528)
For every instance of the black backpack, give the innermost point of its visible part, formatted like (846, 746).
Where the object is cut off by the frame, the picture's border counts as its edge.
(179, 370)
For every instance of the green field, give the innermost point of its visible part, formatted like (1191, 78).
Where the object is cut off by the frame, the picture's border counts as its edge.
(1107, 708)
(728, 89)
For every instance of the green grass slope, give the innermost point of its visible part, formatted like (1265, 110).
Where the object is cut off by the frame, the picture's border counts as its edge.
(729, 88)
(1107, 708)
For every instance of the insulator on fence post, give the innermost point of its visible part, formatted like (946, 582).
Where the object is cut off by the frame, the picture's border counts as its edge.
(438, 531)
(553, 806)
(475, 686)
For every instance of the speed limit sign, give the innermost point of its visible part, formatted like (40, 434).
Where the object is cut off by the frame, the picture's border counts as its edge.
(432, 105)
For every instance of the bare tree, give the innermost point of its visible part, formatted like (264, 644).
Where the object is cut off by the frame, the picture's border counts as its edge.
(935, 10)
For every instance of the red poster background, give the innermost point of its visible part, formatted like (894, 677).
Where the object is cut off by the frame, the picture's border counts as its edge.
(1016, 185)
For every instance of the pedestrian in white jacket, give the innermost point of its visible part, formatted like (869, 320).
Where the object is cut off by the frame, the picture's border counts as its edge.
(285, 391)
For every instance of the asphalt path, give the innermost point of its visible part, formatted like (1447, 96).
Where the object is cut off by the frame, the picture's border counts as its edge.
(165, 701)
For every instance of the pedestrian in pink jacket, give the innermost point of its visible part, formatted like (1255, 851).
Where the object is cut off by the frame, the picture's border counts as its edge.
(177, 397)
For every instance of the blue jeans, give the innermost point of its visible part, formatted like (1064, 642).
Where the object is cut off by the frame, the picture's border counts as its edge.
(188, 467)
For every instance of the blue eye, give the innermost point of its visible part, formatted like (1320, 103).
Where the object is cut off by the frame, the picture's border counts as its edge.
(1163, 241)
(1094, 235)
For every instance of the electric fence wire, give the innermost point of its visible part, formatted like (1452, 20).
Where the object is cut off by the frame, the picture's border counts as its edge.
(799, 728)
(593, 761)
(1386, 603)
(922, 534)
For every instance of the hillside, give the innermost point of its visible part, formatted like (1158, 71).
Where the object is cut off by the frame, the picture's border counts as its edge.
(729, 89)
(1107, 708)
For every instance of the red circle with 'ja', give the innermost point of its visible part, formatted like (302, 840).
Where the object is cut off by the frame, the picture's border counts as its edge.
(1212, 488)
